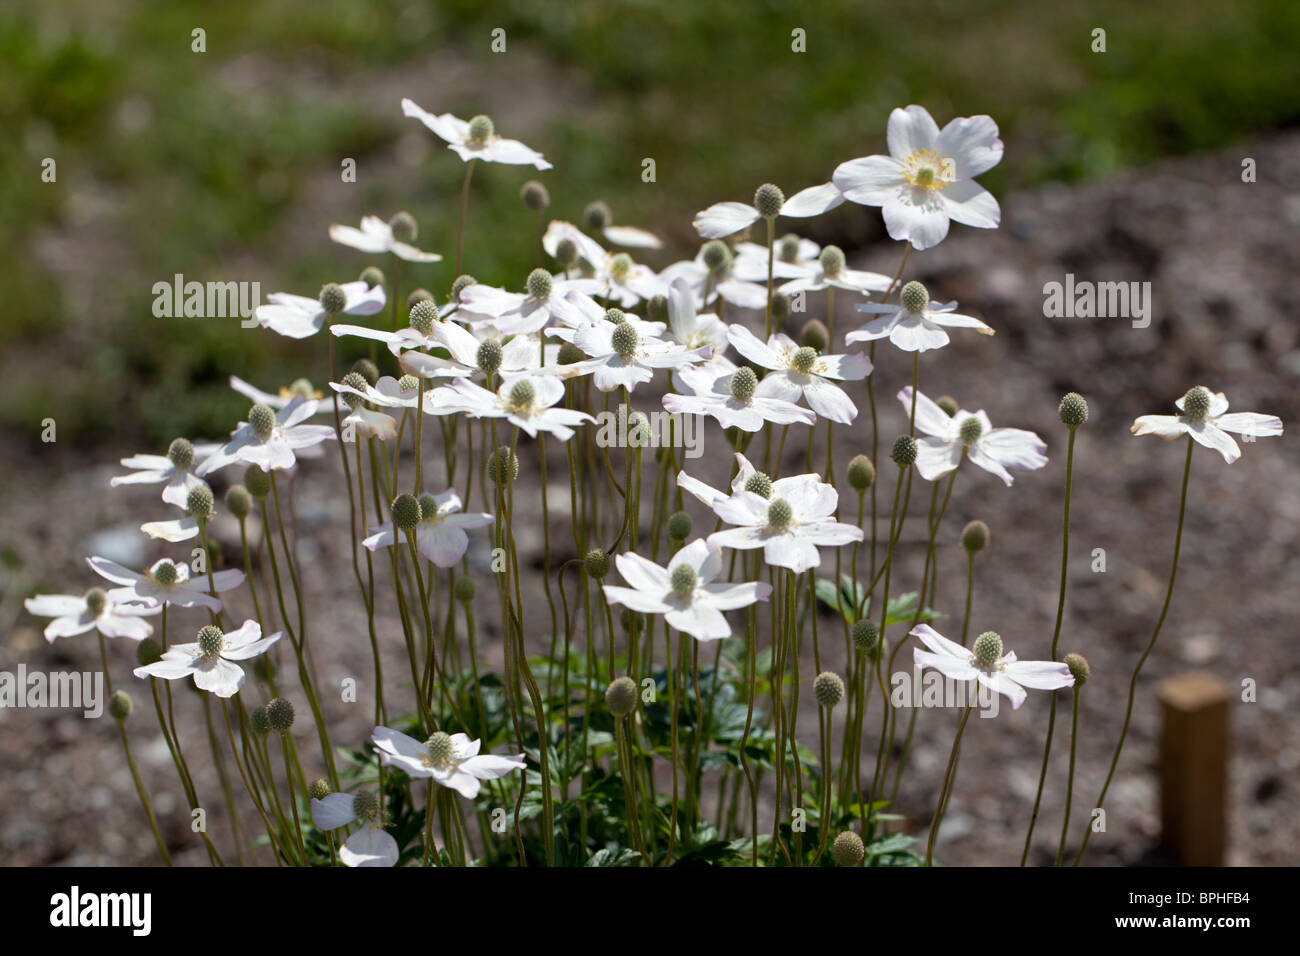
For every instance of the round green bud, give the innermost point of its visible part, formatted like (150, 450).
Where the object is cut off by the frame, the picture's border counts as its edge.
(279, 714)
(768, 200)
(865, 635)
(406, 512)
(679, 525)
(211, 640)
(780, 305)
(462, 283)
(828, 689)
(301, 386)
(332, 298)
(847, 849)
(1196, 403)
(656, 308)
(357, 381)
(257, 481)
(760, 484)
(638, 430)
(428, 506)
(915, 297)
(503, 466)
(570, 354)
(683, 580)
(970, 430)
(147, 652)
(975, 536)
(743, 382)
(238, 501)
(596, 563)
(464, 589)
(534, 196)
(540, 284)
(1073, 410)
(199, 502)
(566, 253)
(422, 316)
(832, 260)
(988, 649)
(779, 513)
(164, 573)
(597, 216)
(372, 276)
(621, 696)
(489, 356)
(948, 404)
(615, 316)
(365, 806)
(96, 600)
(804, 358)
(788, 247)
(119, 705)
(815, 335)
(1079, 668)
(319, 789)
(522, 395)
(408, 383)
(439, 751)
(181, 454)
(862, 473)
(624, 340)
(904, 451)
(262, 420)
(367, 369)
(418, 295)
(404, 227)
(481, 128)
(258, 720)
(716, 255)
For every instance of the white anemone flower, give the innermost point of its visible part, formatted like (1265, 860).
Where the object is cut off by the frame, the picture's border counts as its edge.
(731, 396)
(710, 283)
(790, 525)
(709, 495)
(916, 324)
(476, 139)
(685, 592)
(526, 401)
(376, 236)
(450, 760)
(388, 392)
(793, 258)
(369, 845)
(830, 272)
(297, 316)
(94, 611)
(690, 328)
(796, 372)
(514, 313)
(985, 663)
(1206, 419)
(613, 276)
(581, 310)
(173, 470)
(174, 530)
(440, 536)
(996, 450)
(165, 582)
(928, 178)
(211, 659)
(270, 439)
(282, 397)
(620, 356)
(725, 218)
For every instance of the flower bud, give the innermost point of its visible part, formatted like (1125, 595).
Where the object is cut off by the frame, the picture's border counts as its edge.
(258, 720)
(332, 298)
(238, 501)
(570, 354)
(815, 335)
(679, 525)
(847, 850)
(716, 255)
(832, 260)
(418, 295)
(540, 284)
(904, 451)
(119, 705)
(96, 600)
(828, 689)
(319, 790)
(147, 652)
(656, 308)
(975, 536)
(503, 466)
(199, 502)
(481, 129)
(404, 227)
(621, 696)
(865, 635)
(534, 196)
(768, 200)
(422, 316)
(462, 283)
(408, 383)
(181, 454)
(257, 481)
(788, 247)
(372, 276)
(948, 404)
(262, 420)
(464, 589)
(597, 216)
(566, 253)
(780, 305)
(862, 473)
(1073, 410)
(279, 714)
(596, 563)
(1079, 668)
(367, 369)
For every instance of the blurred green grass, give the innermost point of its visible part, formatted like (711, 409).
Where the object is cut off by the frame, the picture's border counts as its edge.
(218, 165)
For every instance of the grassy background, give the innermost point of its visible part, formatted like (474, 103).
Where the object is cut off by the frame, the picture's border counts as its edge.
(224, 165)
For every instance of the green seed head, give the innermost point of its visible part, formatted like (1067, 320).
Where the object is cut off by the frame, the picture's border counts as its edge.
(238, 501)
(147, 652)
(760, 484)
(779, 513)
(815, 335)
(439, 750)
(789, 247)
(638, 430)
(615, 316)
(332, 298)
(915, 297)
(768, 200)
(96, 600)
(257, 481)
(716, 255)
(570, 354)
(596, 563)
(503, 466)
(1079, 668)
(279, 714)
(540, 284)
(480, 128)
(683, 580)
(257, 718)
(462, 283)
(904, 451)
(372, 276)
(988, 649)
(624, 340)
(164, 573)
(832, 260)
(656, 308)
(1073, 410)
(119, 705)
(319, 790)
(211, 640)
(404, 227)
(566, 253)
(489, 356)
(367, 369)
(597, 216)
(865, 635)
(743, 383)
(406, 512)
(522, 395)
(862, 473)
(418, 295)
(804, 359)
(847, 850)
(354, 380)
(828, 689)
(301, 386)
(428, 507)
(365, 806)
(464, 589)
(970, 431)
(199, 502)
(1196, 403)
(534, 196)
(679, 525)
(780, 304)
(262, 420)
(408, 383)
(948, 404)
(181, 454)
(975, 536)
(422, 316)
(620, 696)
